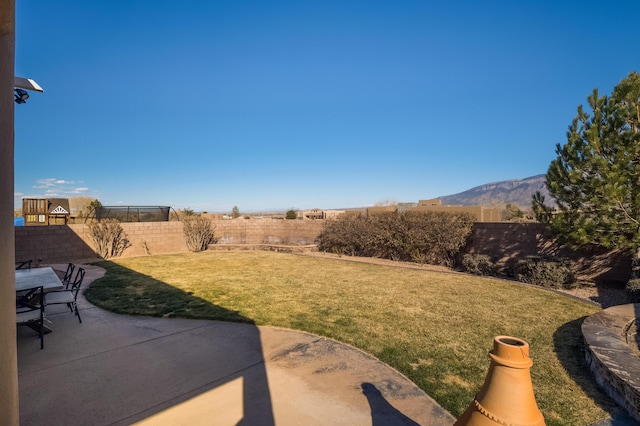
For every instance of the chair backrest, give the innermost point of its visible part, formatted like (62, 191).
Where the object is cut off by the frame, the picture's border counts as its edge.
(34, 301)
(26, 264)
(68, 275)
(75, 285)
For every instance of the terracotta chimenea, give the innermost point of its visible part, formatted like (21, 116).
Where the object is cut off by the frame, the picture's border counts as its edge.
(506, 398)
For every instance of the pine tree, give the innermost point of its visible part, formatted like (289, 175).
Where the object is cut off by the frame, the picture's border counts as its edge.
(595, 178)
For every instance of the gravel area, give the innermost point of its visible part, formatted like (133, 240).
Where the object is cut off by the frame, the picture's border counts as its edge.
(603, 295)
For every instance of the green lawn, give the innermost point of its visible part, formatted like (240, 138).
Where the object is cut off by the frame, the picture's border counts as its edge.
(434, 327)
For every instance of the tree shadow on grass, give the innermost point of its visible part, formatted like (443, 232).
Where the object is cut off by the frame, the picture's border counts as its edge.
(125, 291)
(570, 349)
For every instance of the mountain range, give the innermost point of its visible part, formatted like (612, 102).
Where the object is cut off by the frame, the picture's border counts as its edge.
(515, 191)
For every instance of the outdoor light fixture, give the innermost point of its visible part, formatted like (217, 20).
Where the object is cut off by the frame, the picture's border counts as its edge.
(21, 96)
(20, 83)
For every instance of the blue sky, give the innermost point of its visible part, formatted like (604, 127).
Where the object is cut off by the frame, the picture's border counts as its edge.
(301, 104)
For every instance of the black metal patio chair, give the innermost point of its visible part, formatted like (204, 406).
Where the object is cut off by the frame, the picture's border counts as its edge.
(31, 312)
(68, 297)
(68, 275)
(25, 264)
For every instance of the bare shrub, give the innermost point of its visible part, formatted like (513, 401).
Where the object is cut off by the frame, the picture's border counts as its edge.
(109, 238)
(198, 233)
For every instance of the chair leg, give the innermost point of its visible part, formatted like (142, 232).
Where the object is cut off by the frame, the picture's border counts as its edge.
(78, 313)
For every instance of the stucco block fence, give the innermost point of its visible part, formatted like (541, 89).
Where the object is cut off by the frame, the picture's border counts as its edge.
(502, 240)
(507, 241)
(62, 243)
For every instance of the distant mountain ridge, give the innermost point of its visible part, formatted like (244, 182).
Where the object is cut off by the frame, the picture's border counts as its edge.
(515, 191)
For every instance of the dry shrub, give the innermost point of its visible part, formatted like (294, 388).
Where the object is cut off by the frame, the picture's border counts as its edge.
(198, 233)
(109, 238)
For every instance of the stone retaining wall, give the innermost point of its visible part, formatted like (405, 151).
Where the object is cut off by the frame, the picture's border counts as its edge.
(614, 364)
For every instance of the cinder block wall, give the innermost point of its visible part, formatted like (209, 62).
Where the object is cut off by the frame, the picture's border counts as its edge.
(502, 240)
(267, 231)
(150, 238)
(506, 241)
(62, 243)
(52, 243)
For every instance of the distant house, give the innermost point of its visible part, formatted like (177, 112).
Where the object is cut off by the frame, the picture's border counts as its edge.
(332, 214)
(45, 211)
(430, 203)
(382, 209)
(313, 214)
(480, 213)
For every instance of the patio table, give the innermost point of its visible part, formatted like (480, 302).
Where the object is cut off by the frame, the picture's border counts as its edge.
(27, 279)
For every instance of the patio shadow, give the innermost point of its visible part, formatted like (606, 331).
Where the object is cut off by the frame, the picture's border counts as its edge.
(122, 369)
(250, 381)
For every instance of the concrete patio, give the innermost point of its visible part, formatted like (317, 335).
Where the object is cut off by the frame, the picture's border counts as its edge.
(119, 370)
